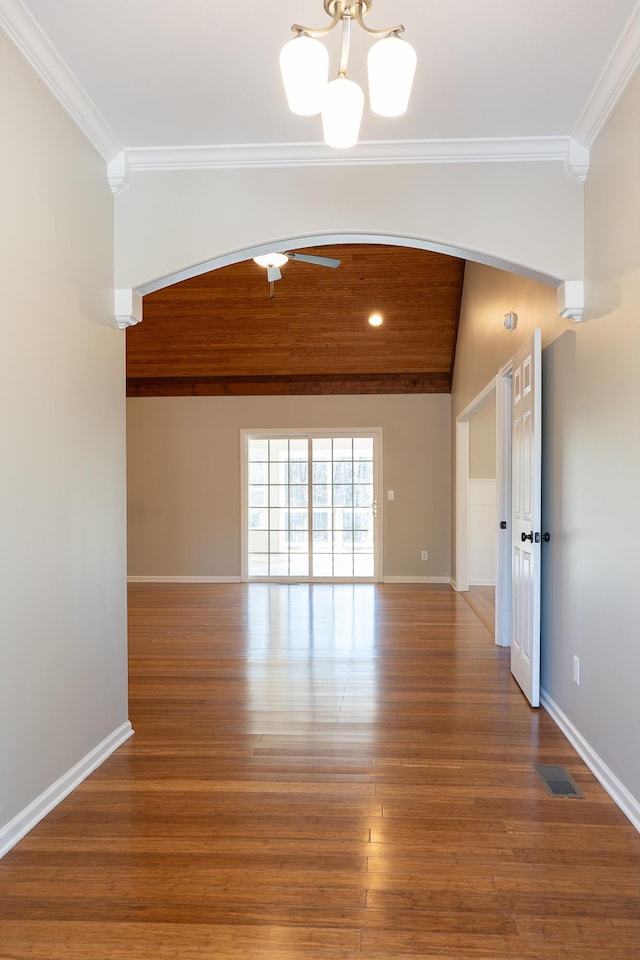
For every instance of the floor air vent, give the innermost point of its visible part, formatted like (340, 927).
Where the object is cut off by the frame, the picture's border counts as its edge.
(557, 780)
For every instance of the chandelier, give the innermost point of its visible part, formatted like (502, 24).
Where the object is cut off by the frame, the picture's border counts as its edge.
(304, 63)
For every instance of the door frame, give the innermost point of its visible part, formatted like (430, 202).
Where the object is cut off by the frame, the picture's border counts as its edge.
(308, 432)
(498, 388)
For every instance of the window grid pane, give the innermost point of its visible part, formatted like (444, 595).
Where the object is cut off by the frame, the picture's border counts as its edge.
(337, 525)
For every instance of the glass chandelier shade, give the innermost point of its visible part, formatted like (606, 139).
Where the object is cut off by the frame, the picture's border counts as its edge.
(391, 65)
(304, 64)
(342, 112)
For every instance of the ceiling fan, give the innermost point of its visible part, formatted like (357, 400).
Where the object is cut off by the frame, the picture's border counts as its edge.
(273, 261)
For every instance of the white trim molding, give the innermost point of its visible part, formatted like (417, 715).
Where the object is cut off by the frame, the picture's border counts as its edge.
(119, 173)
(151, 579)
(28, 818)
(576, 165)
(570, 299)
(127, 308)
(372, 152)
(623, 799)
(320, 240)
(24, 31)
(416, 580)
(503, 505)
(618, 71)
(462, 504)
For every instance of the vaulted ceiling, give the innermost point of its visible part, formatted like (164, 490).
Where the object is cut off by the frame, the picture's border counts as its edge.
(220, 333)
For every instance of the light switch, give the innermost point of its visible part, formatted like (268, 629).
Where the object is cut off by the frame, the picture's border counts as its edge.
(390, 495)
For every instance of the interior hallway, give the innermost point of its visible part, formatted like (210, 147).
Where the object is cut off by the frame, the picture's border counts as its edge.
(323, 772)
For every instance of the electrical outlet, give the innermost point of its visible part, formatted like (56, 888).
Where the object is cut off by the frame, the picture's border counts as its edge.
(576, 670)
(424, 555)
(390, 495)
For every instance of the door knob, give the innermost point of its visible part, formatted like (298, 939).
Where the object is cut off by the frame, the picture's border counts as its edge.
(527, 536)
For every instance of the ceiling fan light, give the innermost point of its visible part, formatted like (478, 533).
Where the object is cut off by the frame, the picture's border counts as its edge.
(392, 65)
(304, 64)
(271, 259)
(342, 113)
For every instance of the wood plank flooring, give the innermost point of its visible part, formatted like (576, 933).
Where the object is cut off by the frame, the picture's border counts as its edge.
(323, 773)
(482, 601)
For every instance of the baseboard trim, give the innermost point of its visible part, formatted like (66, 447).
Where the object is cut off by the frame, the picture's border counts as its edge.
(415, 580)
(482, 583)
(616, 790)
(150, 579)
(28, 818)
(184, 579)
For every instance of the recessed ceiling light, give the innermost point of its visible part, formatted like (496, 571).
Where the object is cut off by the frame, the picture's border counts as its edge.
(375, 320)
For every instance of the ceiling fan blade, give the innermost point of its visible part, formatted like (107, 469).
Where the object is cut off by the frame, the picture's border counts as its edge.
(321, 261)
(273, 273)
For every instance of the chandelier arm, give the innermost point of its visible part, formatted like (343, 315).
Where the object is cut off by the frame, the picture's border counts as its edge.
(346, 44)
(375, 33)
(321, 31)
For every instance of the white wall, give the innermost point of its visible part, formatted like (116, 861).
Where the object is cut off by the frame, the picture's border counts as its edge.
(483, 537)
(184, 476)
(62, 550)
(528, 215)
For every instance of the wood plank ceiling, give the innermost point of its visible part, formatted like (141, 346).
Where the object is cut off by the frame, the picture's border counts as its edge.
(220, 334)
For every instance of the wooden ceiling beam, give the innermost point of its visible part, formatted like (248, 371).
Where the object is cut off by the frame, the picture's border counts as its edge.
(288, 385)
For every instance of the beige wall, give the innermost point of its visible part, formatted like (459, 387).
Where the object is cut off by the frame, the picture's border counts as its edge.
(62, 557)
(591, 448)
(482, 443)
(592, 471)
(484, 345)
(184, 477)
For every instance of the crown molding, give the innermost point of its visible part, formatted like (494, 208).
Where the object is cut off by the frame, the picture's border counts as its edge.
(618, 71)
(41, 55)
(493, 150)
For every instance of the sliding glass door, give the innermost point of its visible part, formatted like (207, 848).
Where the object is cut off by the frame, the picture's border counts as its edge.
(311, 506)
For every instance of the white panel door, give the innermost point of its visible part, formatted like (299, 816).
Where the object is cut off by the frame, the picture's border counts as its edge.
(526, 459)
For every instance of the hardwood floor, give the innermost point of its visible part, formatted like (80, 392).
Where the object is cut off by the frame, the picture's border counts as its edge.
(323, 772)
(482, 601)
